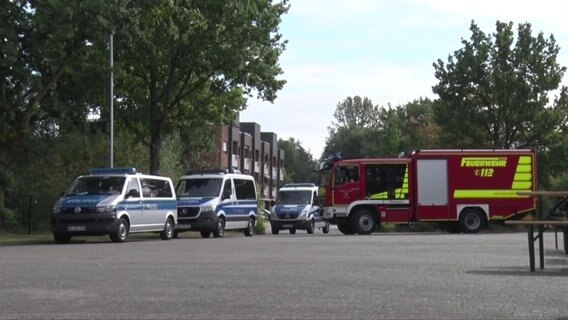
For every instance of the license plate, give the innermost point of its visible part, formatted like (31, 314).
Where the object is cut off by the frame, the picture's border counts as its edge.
(76, 228)
(184, 226)
(287, 225)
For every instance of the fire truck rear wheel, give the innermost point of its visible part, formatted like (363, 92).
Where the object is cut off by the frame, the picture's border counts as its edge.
(364, 222)
(471, 221)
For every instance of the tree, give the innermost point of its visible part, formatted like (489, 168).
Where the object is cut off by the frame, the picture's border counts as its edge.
(494, 91)
(299, 165)
(418, 125)
(185, 63)
(355, 112)
(355, 128)
(38, 42)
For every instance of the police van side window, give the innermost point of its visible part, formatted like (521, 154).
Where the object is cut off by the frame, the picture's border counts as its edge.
(156, 188)
(245, 189)
(133, 189)
(227, 190)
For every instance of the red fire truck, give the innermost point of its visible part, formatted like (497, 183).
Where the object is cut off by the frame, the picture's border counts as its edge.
(463, 190)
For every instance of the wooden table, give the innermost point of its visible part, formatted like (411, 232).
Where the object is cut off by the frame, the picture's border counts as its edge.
(541, 223)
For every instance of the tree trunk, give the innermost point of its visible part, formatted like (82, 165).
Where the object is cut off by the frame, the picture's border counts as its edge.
(155, 149)
(3, 183)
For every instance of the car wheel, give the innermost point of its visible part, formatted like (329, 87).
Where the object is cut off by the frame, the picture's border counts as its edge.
(311, 227)
(292, 231)
(176, 234)
(121, 232)
(168, 232)
(325, 228)
(249, 231)
(205, 234)
(219, 232)
(61, 237)
(274, 230)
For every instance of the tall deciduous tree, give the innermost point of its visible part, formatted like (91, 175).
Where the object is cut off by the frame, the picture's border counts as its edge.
(38, 42)
(494, 91)
(299, 165)
(185, 62)
(418, 125)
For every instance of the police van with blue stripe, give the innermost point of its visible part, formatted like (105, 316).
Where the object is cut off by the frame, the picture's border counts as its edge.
(117, 202)
(297, 207)
(212, 201)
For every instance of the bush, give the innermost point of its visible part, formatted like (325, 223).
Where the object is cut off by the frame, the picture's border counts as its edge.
(8, 218)
(260, 227)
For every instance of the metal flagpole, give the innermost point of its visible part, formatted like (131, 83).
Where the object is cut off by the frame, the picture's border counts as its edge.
(111, 104)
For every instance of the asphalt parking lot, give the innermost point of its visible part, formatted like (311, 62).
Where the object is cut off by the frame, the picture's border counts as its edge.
(385, 275)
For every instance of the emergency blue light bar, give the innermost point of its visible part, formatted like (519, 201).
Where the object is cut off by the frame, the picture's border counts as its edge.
(99, 171)
(212, 171)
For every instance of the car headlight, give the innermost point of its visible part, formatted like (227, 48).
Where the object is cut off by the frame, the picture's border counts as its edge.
(207, 209)
(304, 214)
(56, 210)
(106, 209)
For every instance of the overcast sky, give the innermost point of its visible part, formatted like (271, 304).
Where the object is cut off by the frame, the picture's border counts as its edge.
(380, 49)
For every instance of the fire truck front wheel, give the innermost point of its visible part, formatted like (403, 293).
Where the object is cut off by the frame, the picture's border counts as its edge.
(345, 228)
(364, 222)
(471, 221)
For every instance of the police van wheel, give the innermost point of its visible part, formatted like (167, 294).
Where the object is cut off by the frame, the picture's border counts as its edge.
(311, 227)
(219, 232)
(364, 222)
(471, 221)
(274, 230)
(121, 232)
(325, 228)
(249, 231)
(168, 232)
(176, 234)
(205, 234)
(61, 237)
(292, 231)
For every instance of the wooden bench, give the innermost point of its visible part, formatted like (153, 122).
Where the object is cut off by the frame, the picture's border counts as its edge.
(541, 224)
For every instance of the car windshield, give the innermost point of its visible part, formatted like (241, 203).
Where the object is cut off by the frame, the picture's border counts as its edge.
(202, 187)
(97, 185)
(294, 197)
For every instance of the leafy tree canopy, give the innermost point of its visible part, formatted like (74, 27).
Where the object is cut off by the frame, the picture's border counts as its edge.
(494, 92)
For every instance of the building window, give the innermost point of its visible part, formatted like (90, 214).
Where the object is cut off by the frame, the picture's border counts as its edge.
(235, 148)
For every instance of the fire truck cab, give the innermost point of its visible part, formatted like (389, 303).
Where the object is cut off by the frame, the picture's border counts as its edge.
(463, 190)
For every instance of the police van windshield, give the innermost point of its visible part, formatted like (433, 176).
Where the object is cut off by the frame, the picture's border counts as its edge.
(97, 185)
(294, 197)
(202, 187)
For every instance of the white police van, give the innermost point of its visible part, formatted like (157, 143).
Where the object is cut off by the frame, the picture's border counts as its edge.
(212, 201)
(297, 207)
(115, 201)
